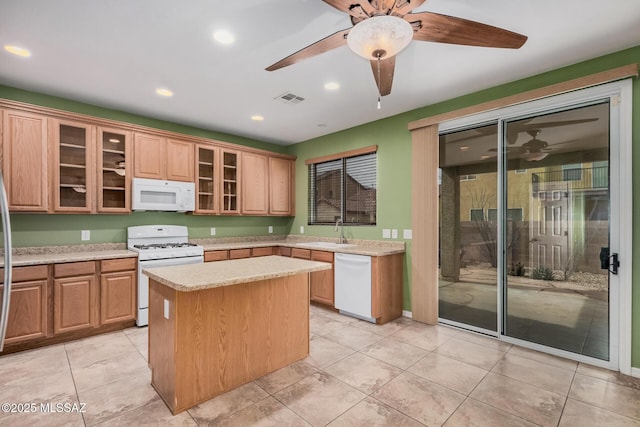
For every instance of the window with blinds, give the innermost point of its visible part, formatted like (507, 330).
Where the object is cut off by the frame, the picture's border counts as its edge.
(344, 189)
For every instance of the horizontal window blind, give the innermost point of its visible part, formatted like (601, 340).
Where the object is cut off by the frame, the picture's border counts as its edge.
(345, 189)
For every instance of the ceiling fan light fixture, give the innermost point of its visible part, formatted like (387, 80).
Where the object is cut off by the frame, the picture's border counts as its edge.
(535, 157)
(380, 37)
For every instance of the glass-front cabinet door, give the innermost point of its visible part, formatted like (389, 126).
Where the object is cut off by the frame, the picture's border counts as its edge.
(114, 170)
(207, 192)
(230, 164)
(73, 166)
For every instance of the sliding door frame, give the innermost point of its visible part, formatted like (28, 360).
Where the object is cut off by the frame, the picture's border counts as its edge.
(619, 94)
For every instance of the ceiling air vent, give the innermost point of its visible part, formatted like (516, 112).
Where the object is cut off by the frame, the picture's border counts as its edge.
(289, 98)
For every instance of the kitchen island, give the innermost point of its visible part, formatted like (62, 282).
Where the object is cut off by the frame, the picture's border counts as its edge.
(215, 326)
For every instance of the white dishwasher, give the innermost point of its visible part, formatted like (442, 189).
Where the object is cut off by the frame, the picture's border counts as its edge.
(352, 276)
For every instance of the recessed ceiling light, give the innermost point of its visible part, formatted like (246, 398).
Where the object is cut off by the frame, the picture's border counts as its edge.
(18, 51)
(224, 37)
(485, 157)
(257, 118)
(164, 92)
(464, 148)
(332, 86)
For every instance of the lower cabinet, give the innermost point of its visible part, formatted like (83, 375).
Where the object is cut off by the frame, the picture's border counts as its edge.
(321, 282)
(75, 297)
(117, 290)
(28, 310)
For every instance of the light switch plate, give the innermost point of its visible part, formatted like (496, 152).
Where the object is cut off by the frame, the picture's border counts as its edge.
(86, 235)
(407, 234)
(386, 233)
(302, 229)
(213, 231)
(166, 309)
(394, 233)
(271, 229)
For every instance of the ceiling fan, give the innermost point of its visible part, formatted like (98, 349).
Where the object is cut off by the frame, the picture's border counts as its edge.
(535, 149)
(382, 28)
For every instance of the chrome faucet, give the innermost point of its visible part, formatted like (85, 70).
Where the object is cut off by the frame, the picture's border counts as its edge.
(340, 224)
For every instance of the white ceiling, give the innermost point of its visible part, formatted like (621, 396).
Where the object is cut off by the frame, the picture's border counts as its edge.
(115, 53)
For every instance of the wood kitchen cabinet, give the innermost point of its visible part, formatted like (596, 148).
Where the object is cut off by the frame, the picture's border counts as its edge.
(207, 178)
(72, 165)
(229, 183)
(321, 282)
(281, 186)
(117, 290)
(157, 157)
(114, 157)
(75, 296)
(255, 184)
(210, 256)
(28, 310)
(24, 161)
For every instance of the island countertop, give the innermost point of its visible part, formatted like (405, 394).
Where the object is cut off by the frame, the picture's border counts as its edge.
(195, 277)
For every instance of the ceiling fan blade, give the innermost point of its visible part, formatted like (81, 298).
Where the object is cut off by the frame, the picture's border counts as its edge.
(402, 7)
(357, 9)
(384, 78)
(544, 125)
(385, 5)
(449, 29)
(328, 43)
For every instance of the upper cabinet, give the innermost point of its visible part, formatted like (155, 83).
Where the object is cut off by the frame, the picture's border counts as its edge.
(179, 160)
(230, 186)
(114, 170)
(281, 186)
(161, 158)
(24, 161)
(73, 166)
(255, 184)
(207, 192)
(60, 162)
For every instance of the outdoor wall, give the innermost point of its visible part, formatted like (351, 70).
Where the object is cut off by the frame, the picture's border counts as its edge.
(394, 160)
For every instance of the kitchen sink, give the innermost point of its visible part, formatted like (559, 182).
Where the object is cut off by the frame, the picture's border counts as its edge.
(327, 245)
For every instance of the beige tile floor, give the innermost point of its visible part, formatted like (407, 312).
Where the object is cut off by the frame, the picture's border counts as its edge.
(403, 373)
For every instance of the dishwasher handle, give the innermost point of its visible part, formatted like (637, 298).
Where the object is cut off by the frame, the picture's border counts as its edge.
(361, 259)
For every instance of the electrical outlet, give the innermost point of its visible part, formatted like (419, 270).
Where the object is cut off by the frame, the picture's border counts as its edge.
(166, 309)
(386, 233)
(407, 234)
(270, 229)
(213, 231)
(394, 233)
(302, 229)
(86, 235)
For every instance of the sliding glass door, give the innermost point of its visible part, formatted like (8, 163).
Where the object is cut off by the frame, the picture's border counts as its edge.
(524, 223)
(557, 293)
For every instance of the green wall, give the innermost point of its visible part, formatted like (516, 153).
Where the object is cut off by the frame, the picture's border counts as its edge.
(394, 171)
(42, 229)
(394, 163)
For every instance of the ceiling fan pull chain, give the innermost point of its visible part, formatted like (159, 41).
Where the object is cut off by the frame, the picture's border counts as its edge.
(379, 106)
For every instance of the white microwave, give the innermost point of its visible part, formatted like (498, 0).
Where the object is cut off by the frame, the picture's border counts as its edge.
(159, 195)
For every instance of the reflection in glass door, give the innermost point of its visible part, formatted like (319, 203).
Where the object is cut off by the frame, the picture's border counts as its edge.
(468, 228)
(557, 178)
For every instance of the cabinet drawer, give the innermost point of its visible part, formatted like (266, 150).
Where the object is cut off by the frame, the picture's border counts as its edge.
(216, 256)
(74, 269)
(262, 251)
(284, 251)
(239, 253)
(121, 264)
(301, 253)
(322, 256)
(26, 274)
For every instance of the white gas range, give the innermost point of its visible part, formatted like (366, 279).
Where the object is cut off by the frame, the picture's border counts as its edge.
(159, 246)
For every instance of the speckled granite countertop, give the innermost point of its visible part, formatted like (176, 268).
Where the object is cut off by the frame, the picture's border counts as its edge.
(73, 253)
(195, 277)
(360, 247)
